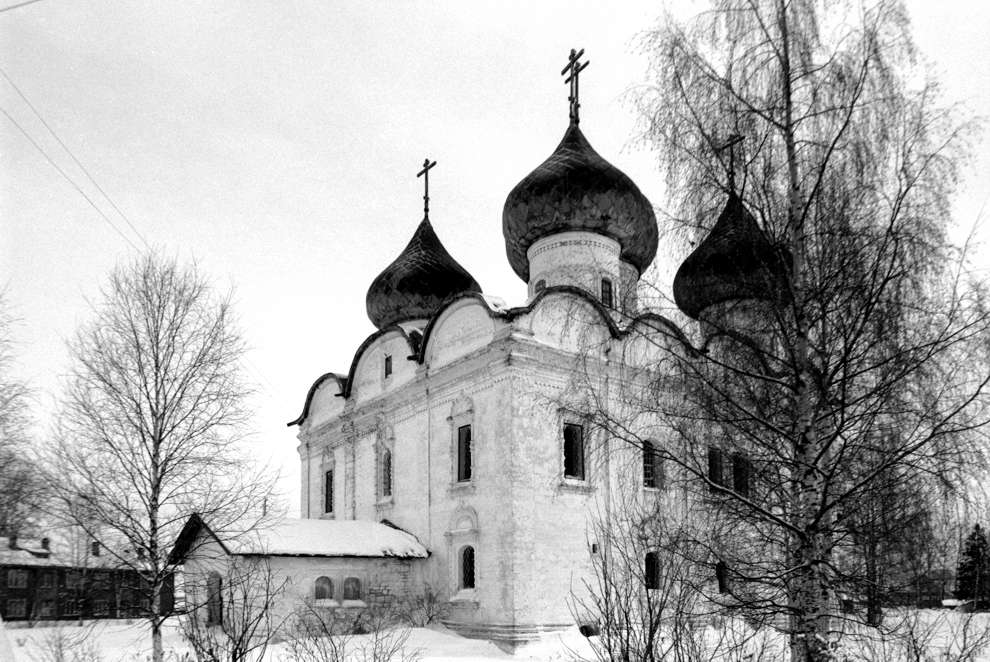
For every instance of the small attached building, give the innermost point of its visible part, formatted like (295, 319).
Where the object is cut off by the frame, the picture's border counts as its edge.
(328, 564)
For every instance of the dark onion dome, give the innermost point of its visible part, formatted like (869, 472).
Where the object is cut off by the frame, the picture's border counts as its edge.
(417, 282)
(735, 261)
(576, 189)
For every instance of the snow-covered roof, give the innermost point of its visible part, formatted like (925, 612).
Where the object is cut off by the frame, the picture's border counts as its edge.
(313, 537)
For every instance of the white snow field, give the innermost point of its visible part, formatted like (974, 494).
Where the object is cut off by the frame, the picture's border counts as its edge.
(947, 634)
(115, 641)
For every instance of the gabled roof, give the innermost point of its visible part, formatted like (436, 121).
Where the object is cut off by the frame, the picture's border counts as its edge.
(308, 537)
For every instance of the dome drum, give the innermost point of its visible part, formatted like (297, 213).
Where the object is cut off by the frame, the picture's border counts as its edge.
(582, 259)
(576, 190)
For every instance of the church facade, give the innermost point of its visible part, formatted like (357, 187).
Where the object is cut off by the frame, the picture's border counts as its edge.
(460, 420)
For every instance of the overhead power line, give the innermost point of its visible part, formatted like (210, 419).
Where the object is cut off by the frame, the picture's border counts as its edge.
(75, 160)
(19, 4)
(68, 179)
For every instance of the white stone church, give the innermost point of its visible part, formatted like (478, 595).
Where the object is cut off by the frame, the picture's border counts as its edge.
(459, 422)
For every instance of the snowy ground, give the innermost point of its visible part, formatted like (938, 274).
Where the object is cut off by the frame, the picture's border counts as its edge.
(116, 641)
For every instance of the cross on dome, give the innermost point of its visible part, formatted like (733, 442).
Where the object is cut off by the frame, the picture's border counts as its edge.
(573, 70)
(425, 173)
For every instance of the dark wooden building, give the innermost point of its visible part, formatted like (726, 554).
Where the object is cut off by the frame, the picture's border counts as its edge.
(42, 581)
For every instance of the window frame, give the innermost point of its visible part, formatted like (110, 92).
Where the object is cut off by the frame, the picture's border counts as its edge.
(20, 613)
(607, 293)
(329, 589)
(567, 452)
(386, 477)
(17, 578)
(651, 575)
(328, 484)
(539, 286)
(465, 453)
(214, 599)
(346, 594)
(467, 560)
(653, 479)
(388, 366)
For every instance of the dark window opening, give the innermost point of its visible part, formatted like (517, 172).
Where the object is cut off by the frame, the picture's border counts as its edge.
(607, 292)
(652, 466)
(388, 365)
(95, 548)
(464, 453)
(386, 473)
(323, 589)
(467, 567)
(214, 599)
(722, 576)
(540, 286)
(715, 466)
(741, 471)
(328, 492)
(573, 451)
(352, 588)
(651, 570)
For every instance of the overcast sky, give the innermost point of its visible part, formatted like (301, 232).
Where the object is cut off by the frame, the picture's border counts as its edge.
(277, 143)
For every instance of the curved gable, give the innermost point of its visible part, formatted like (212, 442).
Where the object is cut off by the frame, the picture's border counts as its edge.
(571, 320)
(368, 378)
(466, 324)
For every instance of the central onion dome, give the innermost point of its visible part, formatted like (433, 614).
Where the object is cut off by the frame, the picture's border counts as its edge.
(576, 189)
(735, 261)
(417, 282)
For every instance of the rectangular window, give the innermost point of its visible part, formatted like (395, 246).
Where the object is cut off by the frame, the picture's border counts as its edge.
(47, 609)
(388, 365)
(715, 468)
(652, 466)
(70, 607)
(464, 453)
(48, 580)
(741, 471)
(72, 579)
(607, 292)
(573, 451)
(328, 491)
(16, 609)
(101, 608)
(17, 579)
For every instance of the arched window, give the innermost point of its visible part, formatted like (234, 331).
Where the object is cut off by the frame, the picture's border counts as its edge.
(651, 571)
(323, 589)
(214, 599)
(352, 588)
(467, 567)
(652, 469)
(386, 473)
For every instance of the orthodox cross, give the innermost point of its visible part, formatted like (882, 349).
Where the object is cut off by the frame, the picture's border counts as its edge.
(425, 173)
(730, 144)
(572, 70)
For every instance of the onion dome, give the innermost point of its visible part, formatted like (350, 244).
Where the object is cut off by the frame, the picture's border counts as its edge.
(735, 261)
(576, 189)
(417, 282)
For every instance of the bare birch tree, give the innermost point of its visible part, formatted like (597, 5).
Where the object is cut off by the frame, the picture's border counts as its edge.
(151, 422)
(862, 368)
(20, 489)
